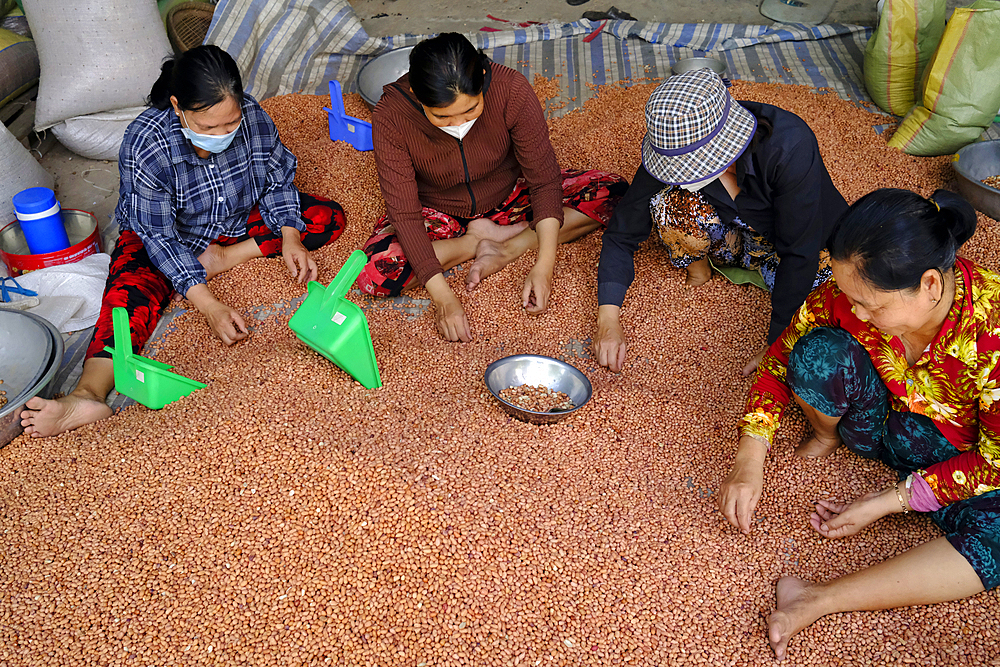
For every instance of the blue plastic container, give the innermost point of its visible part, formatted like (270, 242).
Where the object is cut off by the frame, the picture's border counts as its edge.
(354, 131)
(41, 220)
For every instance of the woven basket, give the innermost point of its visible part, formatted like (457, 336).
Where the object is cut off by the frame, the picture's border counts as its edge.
(187, 24)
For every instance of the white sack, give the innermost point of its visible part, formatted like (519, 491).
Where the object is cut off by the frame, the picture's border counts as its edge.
(94, 56)
(18, 171)
(69, 294)
(97, 136)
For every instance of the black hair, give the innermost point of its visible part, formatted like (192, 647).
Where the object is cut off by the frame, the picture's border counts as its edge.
(445, 66)
(894, 236)
(761, 134)
(200, 78)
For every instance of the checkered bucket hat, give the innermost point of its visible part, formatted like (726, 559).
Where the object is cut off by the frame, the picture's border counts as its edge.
(694, 128)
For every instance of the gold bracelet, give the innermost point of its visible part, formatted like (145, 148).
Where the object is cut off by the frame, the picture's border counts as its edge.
(899, 494)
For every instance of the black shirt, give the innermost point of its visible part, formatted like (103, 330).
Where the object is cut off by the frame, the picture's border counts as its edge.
(786, 195)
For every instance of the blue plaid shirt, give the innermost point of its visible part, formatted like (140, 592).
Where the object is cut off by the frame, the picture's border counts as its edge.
(178, 203)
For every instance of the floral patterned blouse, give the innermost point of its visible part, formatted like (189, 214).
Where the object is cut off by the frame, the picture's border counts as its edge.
(956, 382)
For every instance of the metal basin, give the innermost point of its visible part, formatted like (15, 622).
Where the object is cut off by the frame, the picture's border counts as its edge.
(972, 164)
(535, 369)
(690, 64)
(381, 71)
(31, 351)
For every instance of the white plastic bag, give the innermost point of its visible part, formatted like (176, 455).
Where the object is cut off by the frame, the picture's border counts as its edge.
(70, 294)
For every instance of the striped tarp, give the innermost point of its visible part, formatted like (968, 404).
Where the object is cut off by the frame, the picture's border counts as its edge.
(299, 45)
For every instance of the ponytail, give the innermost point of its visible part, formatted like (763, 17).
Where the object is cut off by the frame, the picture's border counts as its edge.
(200, 78)
(894, 236)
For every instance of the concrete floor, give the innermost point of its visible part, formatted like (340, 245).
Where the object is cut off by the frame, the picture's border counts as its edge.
(393, 17)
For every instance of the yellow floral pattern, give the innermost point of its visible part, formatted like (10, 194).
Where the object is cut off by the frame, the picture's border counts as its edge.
(956, 382)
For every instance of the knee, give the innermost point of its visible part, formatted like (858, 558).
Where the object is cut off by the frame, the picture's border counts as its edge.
(818, 356)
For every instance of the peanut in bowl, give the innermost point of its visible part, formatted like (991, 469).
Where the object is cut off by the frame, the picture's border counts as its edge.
(533, 370)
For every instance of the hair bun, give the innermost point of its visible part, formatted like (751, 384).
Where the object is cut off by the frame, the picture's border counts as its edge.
(956, 214)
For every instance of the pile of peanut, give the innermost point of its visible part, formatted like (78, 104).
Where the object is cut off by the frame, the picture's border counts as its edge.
(537, 398)
(285, 515)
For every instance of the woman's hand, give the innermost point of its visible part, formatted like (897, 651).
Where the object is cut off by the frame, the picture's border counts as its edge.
(741, 490)
(537, 289)
(754, 362)
(609, 342)
(448, 312)
(298, 260)
(538, 284)
(835, 520)
(227, 324)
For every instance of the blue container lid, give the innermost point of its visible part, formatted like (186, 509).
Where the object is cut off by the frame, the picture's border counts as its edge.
(34, 200)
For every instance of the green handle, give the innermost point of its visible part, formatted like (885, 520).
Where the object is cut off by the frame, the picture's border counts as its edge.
(123, 335)
(348, 273)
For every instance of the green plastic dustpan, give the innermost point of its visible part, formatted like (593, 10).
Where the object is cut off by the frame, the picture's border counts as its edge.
(338, 328)
(147, 381)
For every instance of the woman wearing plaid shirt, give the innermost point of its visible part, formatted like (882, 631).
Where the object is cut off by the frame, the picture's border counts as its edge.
(205, 185)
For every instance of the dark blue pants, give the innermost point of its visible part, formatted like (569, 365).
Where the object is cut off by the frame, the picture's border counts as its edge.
(833, 373)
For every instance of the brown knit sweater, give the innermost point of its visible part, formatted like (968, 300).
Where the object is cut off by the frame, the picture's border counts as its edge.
(420, 165)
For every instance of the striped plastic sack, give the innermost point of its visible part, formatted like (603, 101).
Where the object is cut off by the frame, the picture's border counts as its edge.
(960, 87)
(907, 34)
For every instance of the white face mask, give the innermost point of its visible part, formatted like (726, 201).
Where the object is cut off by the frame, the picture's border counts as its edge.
(459, 131)
(698, 185)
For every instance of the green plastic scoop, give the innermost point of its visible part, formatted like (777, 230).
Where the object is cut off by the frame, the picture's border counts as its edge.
(147, 381)
(338, 328)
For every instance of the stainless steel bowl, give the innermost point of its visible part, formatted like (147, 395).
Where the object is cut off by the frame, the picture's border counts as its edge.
(381, 71)
(690, 64)
(31, 351)
(974, 163)
(535, 369)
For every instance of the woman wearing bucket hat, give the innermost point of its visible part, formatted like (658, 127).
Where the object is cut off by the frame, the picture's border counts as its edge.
(745, 187)
(468, 173)
(205, 185)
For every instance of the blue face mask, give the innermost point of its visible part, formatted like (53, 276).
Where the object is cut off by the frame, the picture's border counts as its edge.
(213, 143)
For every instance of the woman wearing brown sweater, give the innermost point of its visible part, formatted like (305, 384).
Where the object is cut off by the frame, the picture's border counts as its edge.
(468, 172)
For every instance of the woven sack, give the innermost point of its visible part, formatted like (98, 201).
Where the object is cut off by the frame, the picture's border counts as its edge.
(97, 136)
(904, 40)
(18, 171)
(960, 89)
(18, 65)
(95, 56)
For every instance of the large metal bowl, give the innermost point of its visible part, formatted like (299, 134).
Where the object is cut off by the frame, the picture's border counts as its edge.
(535, 369)
(690, 64)
(381, 71)
(31, 351)
(974, 163)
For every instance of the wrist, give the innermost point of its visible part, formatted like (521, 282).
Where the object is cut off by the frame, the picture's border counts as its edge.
(898, 498)
(608, 314)
(751, 450)
(439, 290)
(201, 297)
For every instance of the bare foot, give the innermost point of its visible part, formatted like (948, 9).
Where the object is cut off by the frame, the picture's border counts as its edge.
(484, 228)
(791, 614)
(698, 273)
(815, 447)
(490, 258)
(52, 417)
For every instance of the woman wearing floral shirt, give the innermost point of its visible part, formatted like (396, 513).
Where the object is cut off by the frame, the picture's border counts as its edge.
(896, 358)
